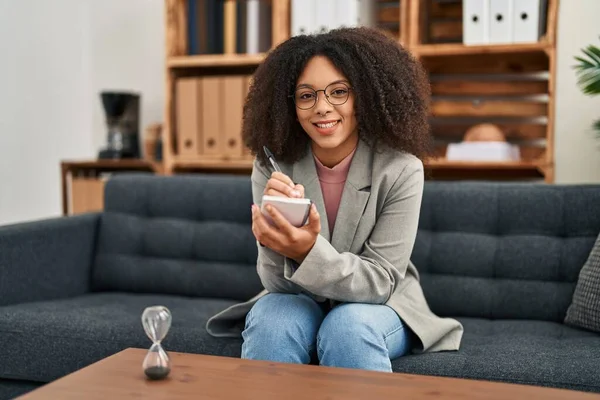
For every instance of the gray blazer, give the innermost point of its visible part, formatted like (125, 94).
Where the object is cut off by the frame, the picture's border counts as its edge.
(367, 257)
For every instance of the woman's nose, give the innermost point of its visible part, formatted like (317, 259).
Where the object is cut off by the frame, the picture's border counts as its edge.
(322, 107)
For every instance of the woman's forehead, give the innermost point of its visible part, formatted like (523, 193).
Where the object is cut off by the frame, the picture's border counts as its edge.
(320, 72)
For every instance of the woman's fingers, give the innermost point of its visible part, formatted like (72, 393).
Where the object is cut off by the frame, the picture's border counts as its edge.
(285, 193)
(300, 189)
(281, 185)
(262, 230)
(280, 176)
(314, 220)
(282, 224)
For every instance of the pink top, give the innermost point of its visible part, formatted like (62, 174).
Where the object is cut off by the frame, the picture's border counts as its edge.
(332, 185)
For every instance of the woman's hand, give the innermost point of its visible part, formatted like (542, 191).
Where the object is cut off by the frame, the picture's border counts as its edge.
(284, 238)
(281, 185)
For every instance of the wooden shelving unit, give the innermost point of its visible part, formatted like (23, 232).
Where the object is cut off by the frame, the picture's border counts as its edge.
(457, 49)
(215, 164)
(216, 60)
(516, 170)
(82, 181)
(510, 85)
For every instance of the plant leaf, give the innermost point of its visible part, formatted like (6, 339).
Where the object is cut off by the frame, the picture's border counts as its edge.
(590, 83)
(588, 70)
(596, 127)
(591, 52)
(583, 63)
(595, 51)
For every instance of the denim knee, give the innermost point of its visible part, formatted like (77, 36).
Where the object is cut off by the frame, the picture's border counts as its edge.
(363, 336)
(346, 324)
(282, 327)
(282, 310)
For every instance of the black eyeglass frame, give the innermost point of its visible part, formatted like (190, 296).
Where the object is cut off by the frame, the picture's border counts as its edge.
(293, 96)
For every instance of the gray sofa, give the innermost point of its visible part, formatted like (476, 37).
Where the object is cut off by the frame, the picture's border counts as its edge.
(503, 258)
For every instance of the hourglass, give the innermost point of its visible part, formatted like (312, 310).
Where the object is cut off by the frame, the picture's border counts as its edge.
(156, 321)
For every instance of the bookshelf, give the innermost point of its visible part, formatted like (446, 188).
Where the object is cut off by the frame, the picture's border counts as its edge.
(83, 181)
(217, 60)
(510, 85)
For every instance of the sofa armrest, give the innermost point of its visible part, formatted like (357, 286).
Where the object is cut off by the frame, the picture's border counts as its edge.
(47, 259)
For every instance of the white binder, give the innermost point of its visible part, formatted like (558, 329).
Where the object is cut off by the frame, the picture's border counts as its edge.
(252, 26)
(475, 22)
(346, 13)
(501, 21)
(303, 13)
(258, 26)
(526, 20)
(367, 12)
(325, 19)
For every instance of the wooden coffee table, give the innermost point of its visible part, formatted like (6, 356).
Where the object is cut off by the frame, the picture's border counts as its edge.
(208, 377)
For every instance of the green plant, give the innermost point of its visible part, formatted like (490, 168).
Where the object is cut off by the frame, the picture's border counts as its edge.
(588, 75)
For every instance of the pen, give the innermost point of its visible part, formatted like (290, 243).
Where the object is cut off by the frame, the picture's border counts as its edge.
(271, 159)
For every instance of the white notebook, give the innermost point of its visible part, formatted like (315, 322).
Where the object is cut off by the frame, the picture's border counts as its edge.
(294, 210)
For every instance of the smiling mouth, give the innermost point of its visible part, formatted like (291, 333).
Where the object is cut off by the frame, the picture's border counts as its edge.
(326, 125)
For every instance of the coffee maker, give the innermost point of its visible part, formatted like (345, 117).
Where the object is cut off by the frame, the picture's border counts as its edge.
(122, 111)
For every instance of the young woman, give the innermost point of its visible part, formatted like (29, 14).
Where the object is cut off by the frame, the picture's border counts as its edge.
(345, 115)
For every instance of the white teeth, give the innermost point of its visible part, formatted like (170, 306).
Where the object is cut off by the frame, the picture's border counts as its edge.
(329, 125)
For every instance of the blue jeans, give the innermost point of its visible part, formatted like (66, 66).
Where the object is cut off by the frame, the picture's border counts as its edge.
(294, 329)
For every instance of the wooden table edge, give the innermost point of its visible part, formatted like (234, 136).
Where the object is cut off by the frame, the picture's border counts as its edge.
(437, 383)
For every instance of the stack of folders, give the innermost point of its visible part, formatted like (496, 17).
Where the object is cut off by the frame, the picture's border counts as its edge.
(503, 21)
(320, 16)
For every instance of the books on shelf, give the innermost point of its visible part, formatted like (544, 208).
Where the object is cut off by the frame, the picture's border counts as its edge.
(246, 26)
(228, 26)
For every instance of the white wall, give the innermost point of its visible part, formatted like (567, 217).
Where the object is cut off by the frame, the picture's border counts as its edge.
(45, 112)
(577, 150)
(55, 56)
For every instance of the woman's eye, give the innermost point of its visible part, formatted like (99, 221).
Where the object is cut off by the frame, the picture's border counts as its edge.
(339, 92)
(306, 96)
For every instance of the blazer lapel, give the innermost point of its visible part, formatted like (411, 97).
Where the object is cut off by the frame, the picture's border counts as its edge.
(305, 173)
(354, 198)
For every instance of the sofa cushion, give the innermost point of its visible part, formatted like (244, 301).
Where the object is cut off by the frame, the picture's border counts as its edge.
(186, 235)
(11, 389)
(527, 352)
(483, 248)
(584, 311)
(46, 340)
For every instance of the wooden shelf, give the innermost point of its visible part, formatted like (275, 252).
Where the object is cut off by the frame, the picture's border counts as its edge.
(222, 164)
(113, 164)
(215, 60)
(443, 163)
(450, 49)
(442, 168)
(82, 183)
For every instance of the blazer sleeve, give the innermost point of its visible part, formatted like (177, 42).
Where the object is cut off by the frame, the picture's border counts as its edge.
(368, 277)
(269, 264)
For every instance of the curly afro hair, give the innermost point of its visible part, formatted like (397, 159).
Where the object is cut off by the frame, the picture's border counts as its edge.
(391, 92)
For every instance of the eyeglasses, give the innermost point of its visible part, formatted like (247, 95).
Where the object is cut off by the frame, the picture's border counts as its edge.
(336, 94)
